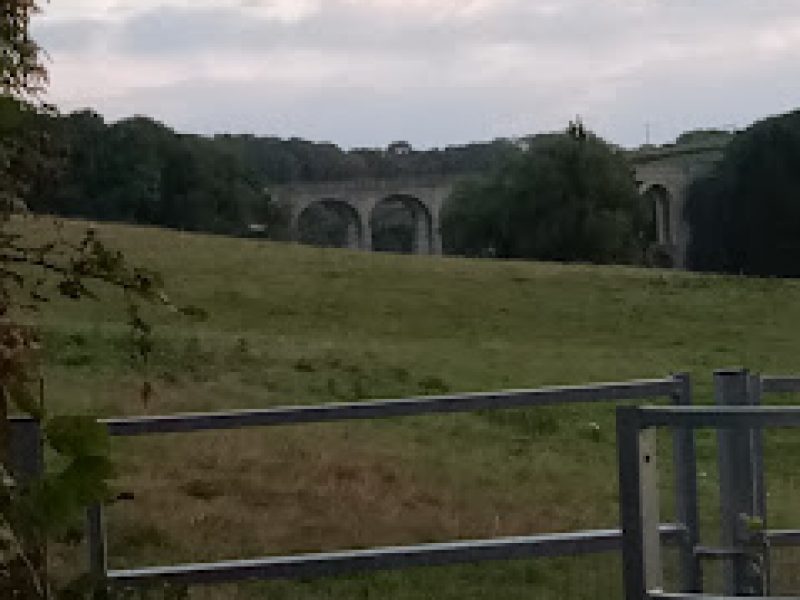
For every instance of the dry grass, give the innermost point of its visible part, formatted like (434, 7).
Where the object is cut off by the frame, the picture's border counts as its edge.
(315, 488)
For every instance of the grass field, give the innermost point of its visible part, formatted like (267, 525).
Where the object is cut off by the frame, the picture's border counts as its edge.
(297, 325)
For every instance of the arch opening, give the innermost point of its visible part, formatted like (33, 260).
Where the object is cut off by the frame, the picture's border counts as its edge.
(659, 201)
(330, 223)
(402, 224)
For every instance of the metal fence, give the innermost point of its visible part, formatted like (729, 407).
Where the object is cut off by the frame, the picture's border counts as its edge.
(746, 544)
(738, 418)
(675, 388)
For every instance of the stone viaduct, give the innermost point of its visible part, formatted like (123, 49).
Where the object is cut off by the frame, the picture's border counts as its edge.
(663, 177)
(422, 197)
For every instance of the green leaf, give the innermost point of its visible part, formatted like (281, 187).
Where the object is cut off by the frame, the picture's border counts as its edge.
(77, 436)
(752, 523)
(24, 399)
(86, 478)
(55, 504)
(48, 506)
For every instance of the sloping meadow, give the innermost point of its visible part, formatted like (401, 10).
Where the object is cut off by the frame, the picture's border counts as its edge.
(297, 325)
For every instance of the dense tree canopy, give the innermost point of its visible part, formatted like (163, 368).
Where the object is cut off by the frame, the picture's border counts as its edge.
(138, 170)
(745, 215)
(569, 197)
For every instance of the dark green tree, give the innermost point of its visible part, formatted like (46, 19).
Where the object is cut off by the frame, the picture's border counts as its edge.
(745, 215)
(138, 170)
(568, 197)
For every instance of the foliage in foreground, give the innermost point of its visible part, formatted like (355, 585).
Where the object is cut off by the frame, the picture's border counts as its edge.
(33, 271)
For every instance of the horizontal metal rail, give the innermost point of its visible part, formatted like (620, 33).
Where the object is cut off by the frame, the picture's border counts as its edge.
(784, 537)
(776, 537)
(780, 384)
(382, 559)
(746, 417)
(665, 596)
(605, 392)
(713, 552)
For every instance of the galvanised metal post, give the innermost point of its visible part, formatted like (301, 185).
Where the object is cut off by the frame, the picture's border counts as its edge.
(27, 450)
(755, 393)
(737, 490)
(97, 546)
(27, 463)
(639, 507)
(686, 508)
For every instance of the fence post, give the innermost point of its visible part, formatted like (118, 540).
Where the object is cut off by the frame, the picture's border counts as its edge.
(759, 484)
(737, 479)
(27, 455)
(639, 508)
(27, 464)
(685, 462)
(98, 553)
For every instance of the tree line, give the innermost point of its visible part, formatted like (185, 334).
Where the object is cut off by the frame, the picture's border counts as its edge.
(140, 171)
(568, 196)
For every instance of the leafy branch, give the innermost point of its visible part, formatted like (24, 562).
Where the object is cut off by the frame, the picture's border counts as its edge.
(33, 274)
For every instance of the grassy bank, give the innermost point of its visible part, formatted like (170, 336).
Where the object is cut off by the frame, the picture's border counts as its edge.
(296, 325)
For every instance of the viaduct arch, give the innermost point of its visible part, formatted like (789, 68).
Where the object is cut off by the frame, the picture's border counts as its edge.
(663, 178)
(353, 231)
(421, 218)
(423, 198)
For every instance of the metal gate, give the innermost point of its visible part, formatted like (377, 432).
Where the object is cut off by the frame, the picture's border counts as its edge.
(745, 544)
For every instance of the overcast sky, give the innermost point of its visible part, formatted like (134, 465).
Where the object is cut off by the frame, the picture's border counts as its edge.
(434, 72)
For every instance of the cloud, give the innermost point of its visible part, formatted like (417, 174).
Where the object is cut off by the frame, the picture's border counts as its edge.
(433, 71)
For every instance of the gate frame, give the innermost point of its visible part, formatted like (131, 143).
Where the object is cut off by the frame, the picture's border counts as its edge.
(639, 502)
